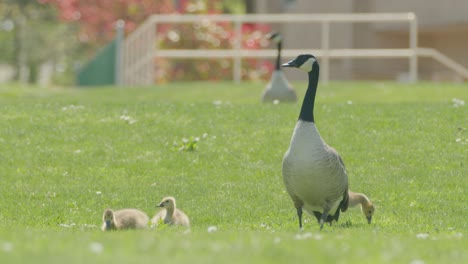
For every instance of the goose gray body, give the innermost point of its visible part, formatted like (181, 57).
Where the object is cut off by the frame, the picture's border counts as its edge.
(279, 89)
(313, 172)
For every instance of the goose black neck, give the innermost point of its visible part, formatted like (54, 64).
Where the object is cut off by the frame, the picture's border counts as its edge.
(307, 109)
(278, 59)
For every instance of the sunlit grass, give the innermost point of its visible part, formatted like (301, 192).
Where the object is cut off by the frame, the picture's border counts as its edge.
(67, 154)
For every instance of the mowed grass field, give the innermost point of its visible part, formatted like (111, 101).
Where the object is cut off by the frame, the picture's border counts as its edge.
(67, 154)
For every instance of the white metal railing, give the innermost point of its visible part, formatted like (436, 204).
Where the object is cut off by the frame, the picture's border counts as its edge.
(139, 48)
(444, 60)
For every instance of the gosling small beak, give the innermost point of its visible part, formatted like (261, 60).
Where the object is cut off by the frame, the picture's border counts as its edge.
(369, 219)
(160, 205)
(108, 224)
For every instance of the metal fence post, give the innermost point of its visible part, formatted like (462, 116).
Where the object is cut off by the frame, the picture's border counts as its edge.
(151, 51)
(413, 43)
(119, 67)
(325, 47)
(237, 67)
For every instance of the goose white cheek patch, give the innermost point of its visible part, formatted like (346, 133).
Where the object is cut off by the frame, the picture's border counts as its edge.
(307, 65)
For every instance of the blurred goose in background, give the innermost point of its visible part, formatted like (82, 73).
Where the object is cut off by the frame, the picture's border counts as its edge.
(313, 172)
(367, 207)
(169, 214)
(278, 88)
(124, 219)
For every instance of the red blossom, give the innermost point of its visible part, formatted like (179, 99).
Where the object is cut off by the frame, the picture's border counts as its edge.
(97, 18)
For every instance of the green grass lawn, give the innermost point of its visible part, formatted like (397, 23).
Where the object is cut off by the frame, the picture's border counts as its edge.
(67, 154)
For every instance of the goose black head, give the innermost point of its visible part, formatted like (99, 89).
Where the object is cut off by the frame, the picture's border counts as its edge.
(304, 62)
(275, 36)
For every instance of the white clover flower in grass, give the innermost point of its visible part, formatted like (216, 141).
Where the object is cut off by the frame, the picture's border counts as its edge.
(88, 226)
(303, 236)
(128, 119)
(72, 107)
(67, 225)
(7, 247)
(276, 101)
(318, 237)
(212, 229)
(308, 235)
(417, 261)
(422, 235)
(51, 194)
(458, 102)
(96, 247)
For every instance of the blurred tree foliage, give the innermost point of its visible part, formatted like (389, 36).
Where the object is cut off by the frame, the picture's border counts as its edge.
(31, 34)
(31, 37)
(96, 18)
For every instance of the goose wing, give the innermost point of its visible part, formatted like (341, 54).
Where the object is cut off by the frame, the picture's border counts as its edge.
(181, 218)
(345, 202)
(343, 206)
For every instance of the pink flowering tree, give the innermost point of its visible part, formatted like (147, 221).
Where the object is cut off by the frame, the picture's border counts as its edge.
(96, 19)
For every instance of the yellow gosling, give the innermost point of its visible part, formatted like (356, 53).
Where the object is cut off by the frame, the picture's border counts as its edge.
(367, 207)
(124, 219)
(169, 214)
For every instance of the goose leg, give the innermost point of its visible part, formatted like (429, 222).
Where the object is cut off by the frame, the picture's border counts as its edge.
(323, 218)
(299, 215)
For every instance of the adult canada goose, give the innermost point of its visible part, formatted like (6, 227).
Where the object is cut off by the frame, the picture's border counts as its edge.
(367, 207)
(169, 213)
(313, 172)
(124, 219)
(278, 88)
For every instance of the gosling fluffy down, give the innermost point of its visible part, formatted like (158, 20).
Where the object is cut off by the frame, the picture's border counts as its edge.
(169, 214)
(124, 219)
(367, 207)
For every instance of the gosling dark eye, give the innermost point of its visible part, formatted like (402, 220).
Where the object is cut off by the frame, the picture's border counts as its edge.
(370, 212)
